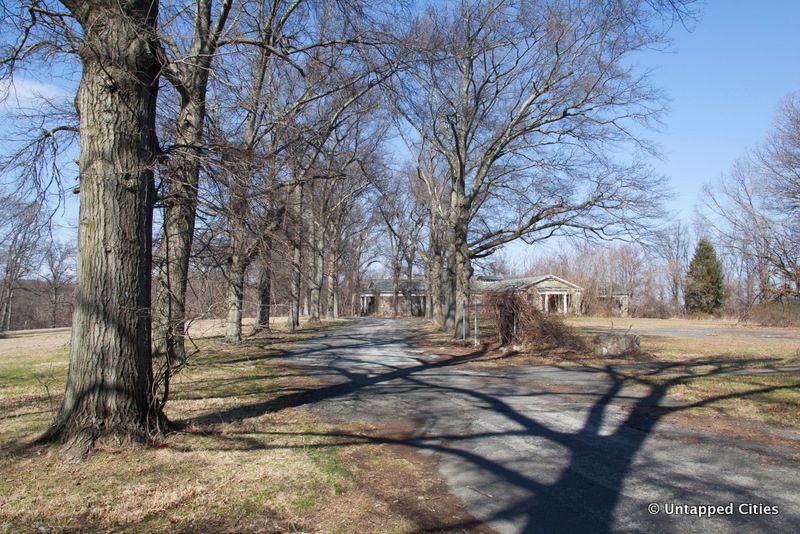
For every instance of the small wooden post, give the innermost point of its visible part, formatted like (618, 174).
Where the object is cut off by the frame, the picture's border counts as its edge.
(464, 321)
(475, 319)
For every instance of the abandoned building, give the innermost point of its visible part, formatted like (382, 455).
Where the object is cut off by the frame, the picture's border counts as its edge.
(548, 292)
(377, 297)
(617, 302)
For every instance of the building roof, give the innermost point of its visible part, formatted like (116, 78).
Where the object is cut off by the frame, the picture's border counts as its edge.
(541, 282)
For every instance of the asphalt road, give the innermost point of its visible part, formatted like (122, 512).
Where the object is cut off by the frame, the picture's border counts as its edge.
(548, 449)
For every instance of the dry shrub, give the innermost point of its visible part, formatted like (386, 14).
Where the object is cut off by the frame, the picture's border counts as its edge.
(776, 313)
(520, 322)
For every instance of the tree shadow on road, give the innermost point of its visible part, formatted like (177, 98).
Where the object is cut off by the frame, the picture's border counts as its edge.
(597, 458)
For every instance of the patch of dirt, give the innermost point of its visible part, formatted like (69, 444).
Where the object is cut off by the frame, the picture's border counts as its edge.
(402, 482)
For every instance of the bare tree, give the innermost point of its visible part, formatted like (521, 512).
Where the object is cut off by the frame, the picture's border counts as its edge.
(188, 70)
(762, 240)
(673, 245)
(779, 159)
(19, 241)
(403, 216)
(287, 108)
(264, 291)
(108, 394)
(754, 214)
(524, 101)
(59, 260)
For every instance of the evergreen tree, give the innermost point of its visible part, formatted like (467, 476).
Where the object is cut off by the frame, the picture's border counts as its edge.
(705, 290)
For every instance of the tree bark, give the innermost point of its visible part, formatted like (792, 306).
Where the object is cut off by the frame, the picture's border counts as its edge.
(237, 268)
(108, 394)
(264, 295)
(463, 275)
(3, 304)
(318, 273)
(333, 283)
(411, 254)
(8, 310)
(54, 316)
(294, 304)
(180, 206)
(190, 78)
(296, 210)
(436, 288)
(449, 291)
(239, 258)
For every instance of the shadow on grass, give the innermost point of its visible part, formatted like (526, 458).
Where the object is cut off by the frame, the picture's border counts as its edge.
(394, 382)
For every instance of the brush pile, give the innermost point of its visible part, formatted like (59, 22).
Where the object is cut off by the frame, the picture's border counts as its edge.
(520, 322)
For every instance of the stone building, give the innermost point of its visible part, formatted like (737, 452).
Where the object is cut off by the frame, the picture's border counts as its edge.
(617, 303)
(548, 292)
(377, 297)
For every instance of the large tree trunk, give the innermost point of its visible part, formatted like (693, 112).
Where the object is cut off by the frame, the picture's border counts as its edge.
(54, 316)
(317, 275)
(412, 308)
(460, 259)
(180, 206)
(449, 291)
(3, 304)
(7, 296)
(8, 310)
(181, 185)
(294, 296)
(436, 288)
(395, 286)
(296, 208)
(463, 276)
(108, 395)
(428, 288)
(333, 285)
(264, 294)
(237, 268)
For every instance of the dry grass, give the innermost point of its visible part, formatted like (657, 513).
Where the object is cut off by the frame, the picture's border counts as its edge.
(754, 349)
(643, 322)
(749, 389)
(725, 380)
(741, 375)
(242, 462)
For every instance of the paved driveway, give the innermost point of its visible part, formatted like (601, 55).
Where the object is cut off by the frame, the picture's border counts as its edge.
(547, 449)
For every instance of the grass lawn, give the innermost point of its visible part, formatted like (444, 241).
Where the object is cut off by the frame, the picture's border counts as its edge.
(260, 467)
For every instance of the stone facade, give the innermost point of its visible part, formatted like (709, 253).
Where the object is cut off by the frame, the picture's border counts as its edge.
(548, 292)
(377, 298)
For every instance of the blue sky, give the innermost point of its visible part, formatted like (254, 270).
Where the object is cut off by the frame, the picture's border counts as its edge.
(725, 80)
